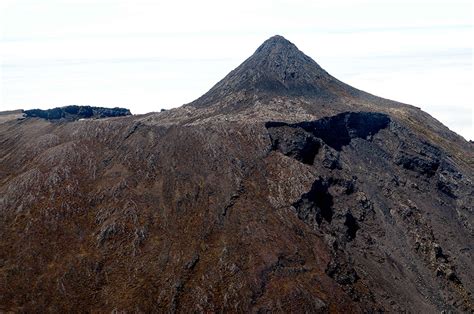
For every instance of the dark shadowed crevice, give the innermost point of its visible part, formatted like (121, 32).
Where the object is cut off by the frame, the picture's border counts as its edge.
(315, 205)
(352, 226)
(295, 143)
(337, 131)
(425, 165)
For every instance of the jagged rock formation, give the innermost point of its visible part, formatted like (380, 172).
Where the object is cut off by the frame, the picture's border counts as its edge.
(281, 189)
(71, 113)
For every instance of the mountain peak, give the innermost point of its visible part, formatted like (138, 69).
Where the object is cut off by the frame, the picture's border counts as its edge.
(277, 44)
(277, 67)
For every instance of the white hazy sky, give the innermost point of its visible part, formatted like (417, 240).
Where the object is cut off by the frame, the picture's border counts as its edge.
(149, 55)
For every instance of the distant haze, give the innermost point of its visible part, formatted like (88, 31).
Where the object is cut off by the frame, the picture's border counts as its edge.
(149, 55)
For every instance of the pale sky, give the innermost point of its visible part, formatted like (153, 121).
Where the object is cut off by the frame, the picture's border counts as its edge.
(149, 55)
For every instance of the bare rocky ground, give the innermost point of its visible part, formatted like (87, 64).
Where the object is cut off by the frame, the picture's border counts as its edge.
(282, 189)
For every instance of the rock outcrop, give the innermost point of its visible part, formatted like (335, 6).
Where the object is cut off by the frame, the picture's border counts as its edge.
(71, 113)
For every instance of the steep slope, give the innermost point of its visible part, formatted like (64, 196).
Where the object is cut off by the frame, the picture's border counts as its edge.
(281, 189)
(277, 67)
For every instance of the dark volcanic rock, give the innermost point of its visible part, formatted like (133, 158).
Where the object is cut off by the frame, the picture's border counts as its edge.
(315, 205)
(71, 113)
(339, 130)
(294, 142)
(282, 189)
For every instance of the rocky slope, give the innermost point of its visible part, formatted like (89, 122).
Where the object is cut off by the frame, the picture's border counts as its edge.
(281, 189)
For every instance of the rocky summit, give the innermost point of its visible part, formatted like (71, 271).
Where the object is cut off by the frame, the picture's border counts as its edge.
(282, 189)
